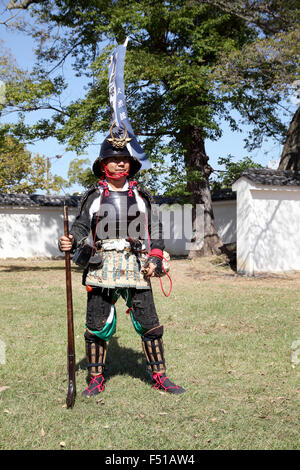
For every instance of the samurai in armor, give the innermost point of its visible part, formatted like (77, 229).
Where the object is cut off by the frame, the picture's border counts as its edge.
(120, 232)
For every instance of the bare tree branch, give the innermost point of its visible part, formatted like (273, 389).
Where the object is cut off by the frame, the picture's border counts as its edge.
(6, 22)
(44, 106)
(64, 57)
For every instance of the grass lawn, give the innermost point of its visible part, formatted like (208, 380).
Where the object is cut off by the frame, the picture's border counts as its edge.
(228, 341)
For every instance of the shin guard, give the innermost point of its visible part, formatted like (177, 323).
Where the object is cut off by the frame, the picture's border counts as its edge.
(96, 353)
(154, 351)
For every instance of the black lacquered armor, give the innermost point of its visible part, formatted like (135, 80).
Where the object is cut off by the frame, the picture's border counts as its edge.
(119, 217)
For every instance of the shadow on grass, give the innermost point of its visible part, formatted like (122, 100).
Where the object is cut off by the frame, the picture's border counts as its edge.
(12, 268)
(121, 361)
(18, 268)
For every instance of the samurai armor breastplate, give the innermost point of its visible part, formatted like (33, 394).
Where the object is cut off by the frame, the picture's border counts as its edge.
(119, 217)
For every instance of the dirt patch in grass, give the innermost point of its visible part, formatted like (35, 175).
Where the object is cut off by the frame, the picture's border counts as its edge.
(183, 272)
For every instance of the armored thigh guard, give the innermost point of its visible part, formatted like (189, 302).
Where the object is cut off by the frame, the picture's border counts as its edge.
(99, 304)
(143, 309)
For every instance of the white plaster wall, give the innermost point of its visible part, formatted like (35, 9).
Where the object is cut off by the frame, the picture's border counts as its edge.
(225, 218)
(268, 226)
(276, 230)
(29, 232)
(177, 223)
(244, 227)
(177, 227)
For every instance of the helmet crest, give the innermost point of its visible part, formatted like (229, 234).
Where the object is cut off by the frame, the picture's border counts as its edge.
(118, 142)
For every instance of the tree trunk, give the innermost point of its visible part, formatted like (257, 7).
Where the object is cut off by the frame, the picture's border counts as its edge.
(206, 240)
(290, 157)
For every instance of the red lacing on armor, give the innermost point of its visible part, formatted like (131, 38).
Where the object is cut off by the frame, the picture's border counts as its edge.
(156, 252)
(98, 386)
(132, 184)
(160, 380)
(105, 187)
(171, 284)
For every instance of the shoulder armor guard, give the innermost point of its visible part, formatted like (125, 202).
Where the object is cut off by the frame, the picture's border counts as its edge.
(146, 193)
(86, 195)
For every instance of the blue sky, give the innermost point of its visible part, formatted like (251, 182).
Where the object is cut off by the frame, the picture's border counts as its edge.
(230, 143)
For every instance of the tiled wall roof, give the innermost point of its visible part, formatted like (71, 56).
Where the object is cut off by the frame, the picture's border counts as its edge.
(272, 177)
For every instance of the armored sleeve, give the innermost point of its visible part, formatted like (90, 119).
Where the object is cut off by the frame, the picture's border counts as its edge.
(81, 227)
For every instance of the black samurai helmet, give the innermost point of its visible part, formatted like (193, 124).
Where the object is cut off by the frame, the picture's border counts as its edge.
(115, 145)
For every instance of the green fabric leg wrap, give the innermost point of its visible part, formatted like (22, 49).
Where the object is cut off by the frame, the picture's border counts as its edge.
(126, 295)
(137, 326)
(110, 326)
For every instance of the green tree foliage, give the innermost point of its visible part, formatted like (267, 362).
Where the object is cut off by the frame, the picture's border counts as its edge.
(22, 172)
(270, 63)
(261, 74)
(232, 170)
(80, 173)
(257, 51)
(267, 59)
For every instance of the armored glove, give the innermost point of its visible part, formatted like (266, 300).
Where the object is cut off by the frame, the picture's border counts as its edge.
(158, 262)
